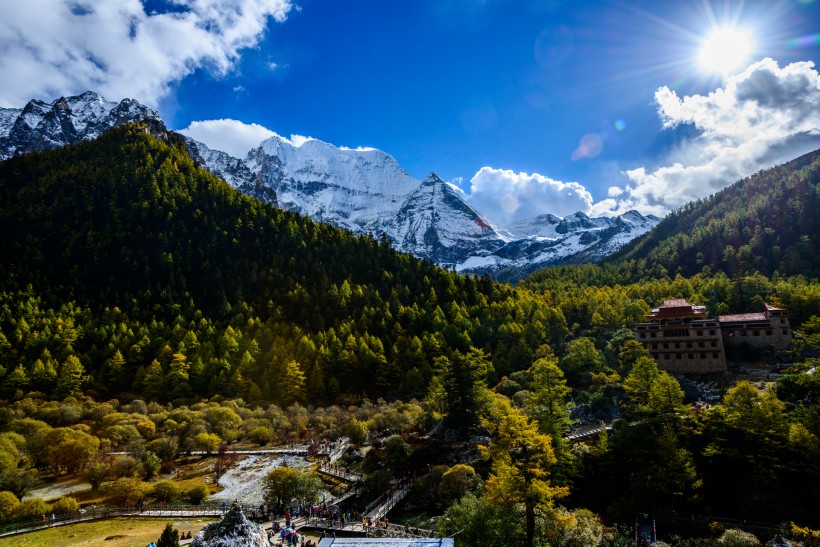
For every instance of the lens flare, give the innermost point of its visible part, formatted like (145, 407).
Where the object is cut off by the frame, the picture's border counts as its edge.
(725, 50)
(590, 146)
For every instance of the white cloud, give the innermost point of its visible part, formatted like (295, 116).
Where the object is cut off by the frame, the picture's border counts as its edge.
(504, 196)
(231, 136)
(762, 116)
(58, 47)
(238, 138)
(359, 148)
(299, 140)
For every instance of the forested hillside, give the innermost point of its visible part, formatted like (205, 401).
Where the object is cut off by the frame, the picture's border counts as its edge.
(130, 276)
(765, 223)
(128, 270)
(123, 260)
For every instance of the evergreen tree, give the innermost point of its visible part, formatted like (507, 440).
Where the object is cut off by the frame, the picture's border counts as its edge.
(169, 537)
(463, 379)
(70, 377)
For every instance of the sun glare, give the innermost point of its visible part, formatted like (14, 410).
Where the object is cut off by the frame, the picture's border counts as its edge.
(725, 50)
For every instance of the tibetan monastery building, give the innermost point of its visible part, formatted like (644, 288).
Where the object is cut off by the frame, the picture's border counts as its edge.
(683, 340)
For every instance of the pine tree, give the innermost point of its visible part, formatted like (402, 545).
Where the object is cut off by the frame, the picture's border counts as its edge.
(70, 377)
(169, 537)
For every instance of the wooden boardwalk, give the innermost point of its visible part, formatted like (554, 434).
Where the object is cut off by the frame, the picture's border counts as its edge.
(339, 473)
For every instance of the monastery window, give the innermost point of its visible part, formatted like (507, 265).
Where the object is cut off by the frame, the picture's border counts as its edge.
(713, 343)
(702, 355)
(743, 333)
(711, 332)
(677, 344)
(666, 356)
(701, 345)
(643, 335)
(665, 345)
(652, 335)
(768, 332)
(688, 344)
(785, 331)
(756, 332)
(677, 355)
(691, 356)
(714, 355)
(782, 320)
(700, 332)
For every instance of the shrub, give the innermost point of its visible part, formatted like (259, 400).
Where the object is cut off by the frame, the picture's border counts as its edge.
(165, 491)
(32, 508)
(197, 493)
(65, 505)
(738, 538)
(124, 466)
(126, 491)
(9, 505)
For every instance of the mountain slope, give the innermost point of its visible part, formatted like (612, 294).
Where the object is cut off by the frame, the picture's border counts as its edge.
(767, 222)
(365, 191)
(128, 216)
(575, 239)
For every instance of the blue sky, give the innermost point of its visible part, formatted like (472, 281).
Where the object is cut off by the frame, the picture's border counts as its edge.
(598, 106)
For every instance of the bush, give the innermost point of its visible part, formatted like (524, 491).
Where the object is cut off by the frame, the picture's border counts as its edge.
(455, 482)
(357, 431)
(197, 493)
(65, 505)
(738, 538)
(32, 508)
(124, 466)
(9, 505)
(261, 435)
(126, 491)
(166, 491)
(151, 464)
(95, 473)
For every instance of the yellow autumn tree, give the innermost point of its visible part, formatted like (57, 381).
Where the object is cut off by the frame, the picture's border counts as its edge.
(521, 461)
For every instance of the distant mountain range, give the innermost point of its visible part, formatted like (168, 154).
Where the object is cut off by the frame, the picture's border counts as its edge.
(362, 190)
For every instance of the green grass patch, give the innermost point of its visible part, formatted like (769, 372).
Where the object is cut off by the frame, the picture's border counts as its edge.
(104, 533)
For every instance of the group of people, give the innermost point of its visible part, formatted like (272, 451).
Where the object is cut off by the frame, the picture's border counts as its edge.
(290, 537)
(182, 535)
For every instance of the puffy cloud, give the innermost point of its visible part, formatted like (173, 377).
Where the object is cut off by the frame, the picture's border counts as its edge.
(504, 196)
(58, 47)
(762, 116)
(231, 136)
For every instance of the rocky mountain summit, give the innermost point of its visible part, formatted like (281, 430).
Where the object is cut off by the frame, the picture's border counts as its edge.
(43, 126)
(363, 190)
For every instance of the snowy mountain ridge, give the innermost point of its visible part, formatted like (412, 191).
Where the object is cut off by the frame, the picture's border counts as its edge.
(43, 126)
(364, 190)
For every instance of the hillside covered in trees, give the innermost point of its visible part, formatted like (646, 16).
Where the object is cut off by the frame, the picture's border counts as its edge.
(147, 307)
(128, 265)
(765, 223)
(126, 269)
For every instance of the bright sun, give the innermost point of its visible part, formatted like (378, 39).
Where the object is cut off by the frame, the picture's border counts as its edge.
(725, 50)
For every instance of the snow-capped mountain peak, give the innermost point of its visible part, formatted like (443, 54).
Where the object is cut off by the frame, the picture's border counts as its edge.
(364, 190)
(41, 126)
